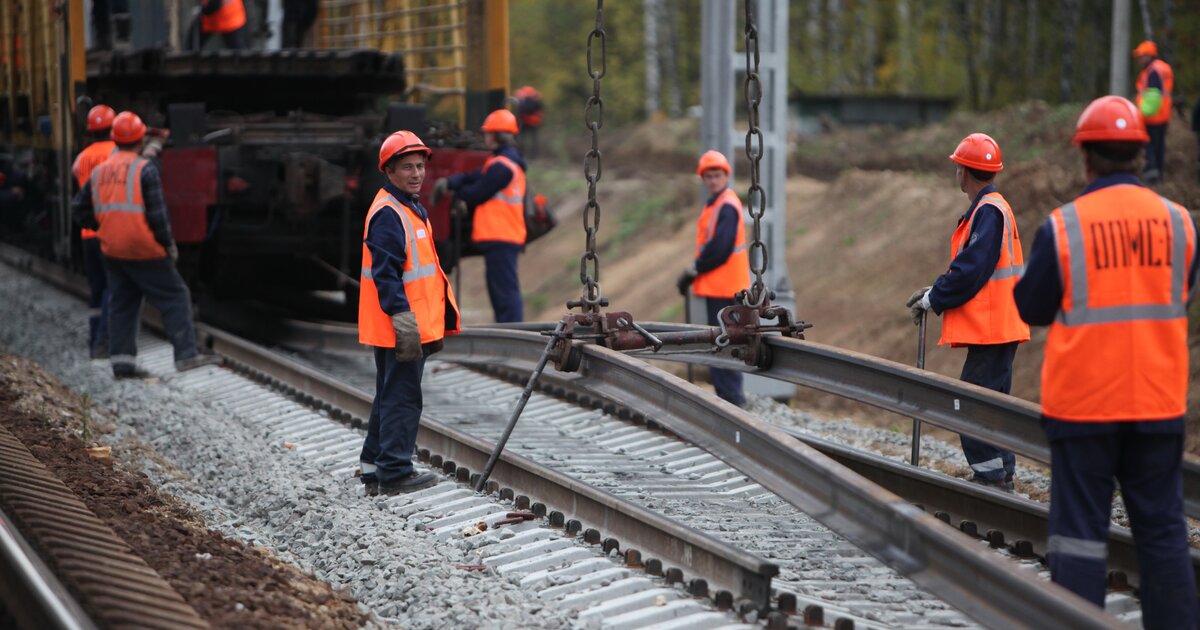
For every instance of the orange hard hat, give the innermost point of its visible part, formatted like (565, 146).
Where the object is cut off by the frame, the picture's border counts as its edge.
(400, 143)
(1110, 119)
(980, 152)
(127, 128)
(713, 159)
(527, 91)
(100, 118)
(1147, 48)
(500, 120)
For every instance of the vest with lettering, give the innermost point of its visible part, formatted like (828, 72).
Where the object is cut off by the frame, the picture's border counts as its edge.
(425, 284)
(120, 209)
(1167, 76)
(991, 316)
(229, 18)
(1118, 348)
(88, 159)
(733, 275)
(502, 218)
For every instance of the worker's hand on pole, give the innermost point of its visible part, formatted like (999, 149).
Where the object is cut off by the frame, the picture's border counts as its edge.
(440, 188)
(685, 280)
(918, 302)
(408, 336)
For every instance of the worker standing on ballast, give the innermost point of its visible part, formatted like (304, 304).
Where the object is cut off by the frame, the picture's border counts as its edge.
(722, 265)
(496, 192)
(1155, 85)
(123, 197)
(405, 308)
(1111, 273)
(101, 147)
(974, 295)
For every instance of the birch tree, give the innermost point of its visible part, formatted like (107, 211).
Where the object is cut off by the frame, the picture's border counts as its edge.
(650, 13)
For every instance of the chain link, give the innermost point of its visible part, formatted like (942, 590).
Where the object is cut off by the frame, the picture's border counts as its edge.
(756, 198)
(593, 116)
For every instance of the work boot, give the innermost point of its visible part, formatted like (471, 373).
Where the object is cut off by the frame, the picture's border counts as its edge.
(200, 360)
(370, 485)
(411, 483)
(130, 372)
(1005, 486)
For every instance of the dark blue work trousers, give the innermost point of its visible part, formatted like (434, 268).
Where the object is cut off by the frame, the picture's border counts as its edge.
(989, 366)
(131, 281)
(1156, 152)
(1147, 465)
(503, 284)
(97, 279)
(728, 383)
(395, 416)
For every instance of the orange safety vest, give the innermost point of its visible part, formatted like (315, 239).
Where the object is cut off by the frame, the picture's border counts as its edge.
(1118, 348)
(89, 158)
(991, 316)
(733, 275)
(1168, 80)
(502, 218)
(120, 209)
(425, 284)
(229, 18)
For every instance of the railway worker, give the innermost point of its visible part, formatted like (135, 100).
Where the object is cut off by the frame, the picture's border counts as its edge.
(123, 197)
(497, 194)
(1154, 88)
(101, 147)
(722, 264)
(405, 308)
(1111, 274)
(226, 18)
(974, 295)
(530, 109)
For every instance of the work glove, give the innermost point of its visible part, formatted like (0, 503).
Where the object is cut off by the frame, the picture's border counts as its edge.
(918, 302)
(440, 189)
(685, 280)
(408, 336)
(173, 252)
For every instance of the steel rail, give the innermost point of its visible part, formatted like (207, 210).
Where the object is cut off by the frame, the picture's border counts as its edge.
(30, 592)
(917, 545)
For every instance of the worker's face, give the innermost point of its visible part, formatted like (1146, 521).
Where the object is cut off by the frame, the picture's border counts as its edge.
(408, 173)
(960, 178)
(715, 180)
(1144, 60)
(489, 140)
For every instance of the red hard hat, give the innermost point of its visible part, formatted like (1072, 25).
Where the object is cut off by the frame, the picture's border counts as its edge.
(527, 91)
(128, 128)
(980, 152)
(100, 118)
(500, 120)
(713, 159)
(1147, 48)
(1110, 119)
(400, 143)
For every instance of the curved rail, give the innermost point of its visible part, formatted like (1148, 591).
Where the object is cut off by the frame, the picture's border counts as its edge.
(31, 594)
(912, 542)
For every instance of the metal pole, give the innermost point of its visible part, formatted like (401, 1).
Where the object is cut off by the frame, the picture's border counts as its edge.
(916, 431)
(687, 318)
(516, 414)
(1118, 73)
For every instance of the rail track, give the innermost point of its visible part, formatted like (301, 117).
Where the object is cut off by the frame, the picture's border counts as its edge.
(913, 543)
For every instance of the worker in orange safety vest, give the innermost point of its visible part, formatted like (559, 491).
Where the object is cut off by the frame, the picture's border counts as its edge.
(405, 308)
(226, 18)
(1112, 273)
(99, 124)
(974, 295)
(1155, 86)
(721, 267)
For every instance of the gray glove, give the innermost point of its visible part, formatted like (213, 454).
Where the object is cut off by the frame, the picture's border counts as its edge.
(918, 303)
(408, 336)
(440, 189)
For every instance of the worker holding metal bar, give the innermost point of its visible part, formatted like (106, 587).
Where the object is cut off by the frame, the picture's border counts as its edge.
(101, 147)
(496, 194)
(974, 295)
(1112, 273)
(405, 308)
(722, 265)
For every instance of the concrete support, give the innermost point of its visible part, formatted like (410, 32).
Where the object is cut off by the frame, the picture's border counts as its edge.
(1118, 74)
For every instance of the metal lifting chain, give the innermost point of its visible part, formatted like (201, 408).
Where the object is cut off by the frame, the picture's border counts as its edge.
(593, 116)
(756, 198)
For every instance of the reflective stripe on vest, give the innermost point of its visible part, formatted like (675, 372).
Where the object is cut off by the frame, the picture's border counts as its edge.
(410, 248)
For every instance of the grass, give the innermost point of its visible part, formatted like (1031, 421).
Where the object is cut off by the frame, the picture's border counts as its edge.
(671, 313)
(639, 216)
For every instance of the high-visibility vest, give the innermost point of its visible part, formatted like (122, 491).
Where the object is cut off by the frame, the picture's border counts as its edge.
(425, 284)
(502, 218)
(733, 275)
(1167, 76)
(229, 18)
(120, 209)
(89, 158)
(991, 316)
(1118, 348)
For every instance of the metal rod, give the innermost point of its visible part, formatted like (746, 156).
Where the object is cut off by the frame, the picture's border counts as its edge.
(687, 318)
(516, 414)
(916, 431)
